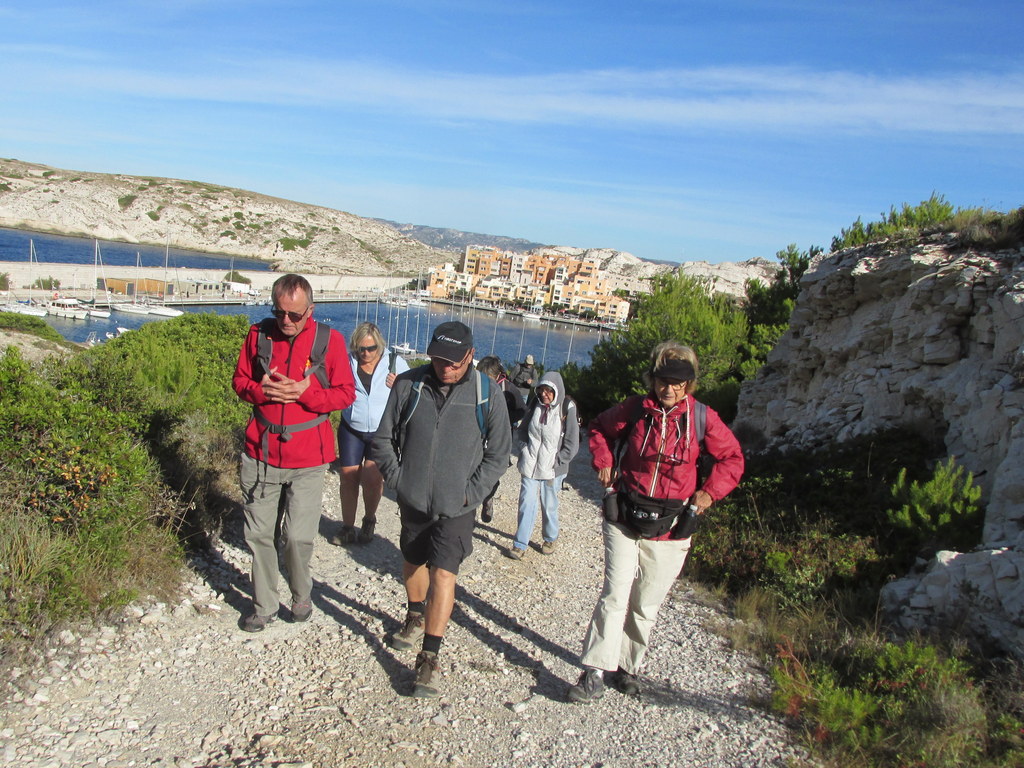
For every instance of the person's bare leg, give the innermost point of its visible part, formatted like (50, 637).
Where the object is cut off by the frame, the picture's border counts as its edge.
(442, 601)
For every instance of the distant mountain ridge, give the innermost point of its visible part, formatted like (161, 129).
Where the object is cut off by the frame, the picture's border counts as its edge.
(456, 240)
(294, 237)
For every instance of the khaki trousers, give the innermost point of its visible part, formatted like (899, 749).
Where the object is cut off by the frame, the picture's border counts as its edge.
(638, 575)
(293, 496)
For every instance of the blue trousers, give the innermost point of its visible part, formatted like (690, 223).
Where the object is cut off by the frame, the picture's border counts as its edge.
(528, 493)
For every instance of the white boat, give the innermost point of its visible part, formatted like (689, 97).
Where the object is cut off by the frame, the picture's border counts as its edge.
(69, 308)
(97, 262)
(163, 310)
(403, 349)
(416, 303)
(531, 316)
(23, 309)
(131, 308)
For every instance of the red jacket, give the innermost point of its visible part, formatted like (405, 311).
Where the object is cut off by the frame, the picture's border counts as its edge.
(310, 447)
(660, 458)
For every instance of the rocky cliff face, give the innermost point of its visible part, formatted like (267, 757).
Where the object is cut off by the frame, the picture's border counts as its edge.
(931, 337)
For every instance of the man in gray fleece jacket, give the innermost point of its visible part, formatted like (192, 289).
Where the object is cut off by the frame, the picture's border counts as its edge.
(442, 467)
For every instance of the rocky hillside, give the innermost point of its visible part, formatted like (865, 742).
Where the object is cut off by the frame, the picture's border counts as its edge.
(205, 217)
(293, 236)
(928, 336)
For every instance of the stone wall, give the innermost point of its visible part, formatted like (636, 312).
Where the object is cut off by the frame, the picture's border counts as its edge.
(929, 336)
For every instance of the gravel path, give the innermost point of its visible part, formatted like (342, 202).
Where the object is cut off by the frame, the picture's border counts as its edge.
(181, 685)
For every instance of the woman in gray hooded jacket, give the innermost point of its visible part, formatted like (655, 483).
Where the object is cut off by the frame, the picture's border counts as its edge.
(549, 442)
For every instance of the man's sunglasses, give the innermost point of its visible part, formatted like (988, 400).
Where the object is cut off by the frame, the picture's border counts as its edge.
(295, 317)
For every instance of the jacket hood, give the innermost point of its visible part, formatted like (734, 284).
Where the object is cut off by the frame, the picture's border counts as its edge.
(553, 379)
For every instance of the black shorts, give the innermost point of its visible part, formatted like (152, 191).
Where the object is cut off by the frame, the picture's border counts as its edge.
(442, 543)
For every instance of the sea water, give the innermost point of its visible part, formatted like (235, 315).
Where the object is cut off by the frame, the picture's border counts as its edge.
(508, 336)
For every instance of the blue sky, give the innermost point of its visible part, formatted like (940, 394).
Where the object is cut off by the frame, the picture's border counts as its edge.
(688, 131)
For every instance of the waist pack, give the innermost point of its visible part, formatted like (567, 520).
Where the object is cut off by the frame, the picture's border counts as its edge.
(648, 518)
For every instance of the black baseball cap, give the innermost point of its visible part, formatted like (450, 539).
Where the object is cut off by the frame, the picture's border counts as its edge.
(451, 341)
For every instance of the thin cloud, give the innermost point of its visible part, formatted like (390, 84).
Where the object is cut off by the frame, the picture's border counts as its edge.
(740, 99)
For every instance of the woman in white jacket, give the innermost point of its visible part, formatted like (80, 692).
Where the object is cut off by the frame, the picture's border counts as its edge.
(550, 437)
(367, 350)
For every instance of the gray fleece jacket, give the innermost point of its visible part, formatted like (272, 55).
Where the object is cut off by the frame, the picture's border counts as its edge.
(445, 469)
(548, 445)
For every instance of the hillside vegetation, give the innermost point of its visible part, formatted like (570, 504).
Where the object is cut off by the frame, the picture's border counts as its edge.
(126, 454)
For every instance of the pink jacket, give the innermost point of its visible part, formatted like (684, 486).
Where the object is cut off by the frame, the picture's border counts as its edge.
(660, 458)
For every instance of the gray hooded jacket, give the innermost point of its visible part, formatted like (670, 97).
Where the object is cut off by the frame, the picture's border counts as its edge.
(547, 444)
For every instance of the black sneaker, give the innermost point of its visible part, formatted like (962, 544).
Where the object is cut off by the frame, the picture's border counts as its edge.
(589, 688)
(626, 683)
(347, 534)
(256, 623)
(487, 511)
(427, 676)
(367, 529)
(410, 634)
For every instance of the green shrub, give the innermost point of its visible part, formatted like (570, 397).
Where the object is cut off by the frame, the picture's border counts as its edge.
(236, 277)
(126, 200)
(13, 321)
(679, 308)
(884, 704)
(941, 511)
(46, 283)
(291, 243)
(153, 215)
(79, 504)
(5, 281)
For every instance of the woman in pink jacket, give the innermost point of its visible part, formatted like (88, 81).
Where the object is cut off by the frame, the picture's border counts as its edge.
(645, 453)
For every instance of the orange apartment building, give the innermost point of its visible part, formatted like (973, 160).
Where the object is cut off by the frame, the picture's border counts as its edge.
(536, 280)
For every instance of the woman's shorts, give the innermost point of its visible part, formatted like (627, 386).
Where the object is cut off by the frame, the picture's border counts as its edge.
(353, 446)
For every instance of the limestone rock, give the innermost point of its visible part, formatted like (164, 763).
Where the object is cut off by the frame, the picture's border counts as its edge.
(928, 336)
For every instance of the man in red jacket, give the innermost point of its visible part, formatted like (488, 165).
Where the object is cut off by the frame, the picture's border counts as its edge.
(293, 380)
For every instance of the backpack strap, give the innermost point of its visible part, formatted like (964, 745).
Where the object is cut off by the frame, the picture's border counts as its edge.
(700, 421)
(483, 397)
(392, 360)
(483, 401)
(317, 355)
(635, 414)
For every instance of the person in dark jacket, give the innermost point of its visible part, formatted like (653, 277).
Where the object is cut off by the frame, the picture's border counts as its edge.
(431, 450)
(646, 538)
(288, 444)
(522, 376)
(491, 365)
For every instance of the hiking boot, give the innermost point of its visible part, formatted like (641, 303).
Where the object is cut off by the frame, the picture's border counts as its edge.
(625, 682)
(514, 553)
(348, 534)
(302, 611)
(410, 634)
(589, 688)
(427, 676)
(547, 548)
(487, 511)
(256, 623)
(366, 532)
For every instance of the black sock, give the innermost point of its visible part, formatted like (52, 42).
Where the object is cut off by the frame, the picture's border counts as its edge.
(420, 607)
(432, 643)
